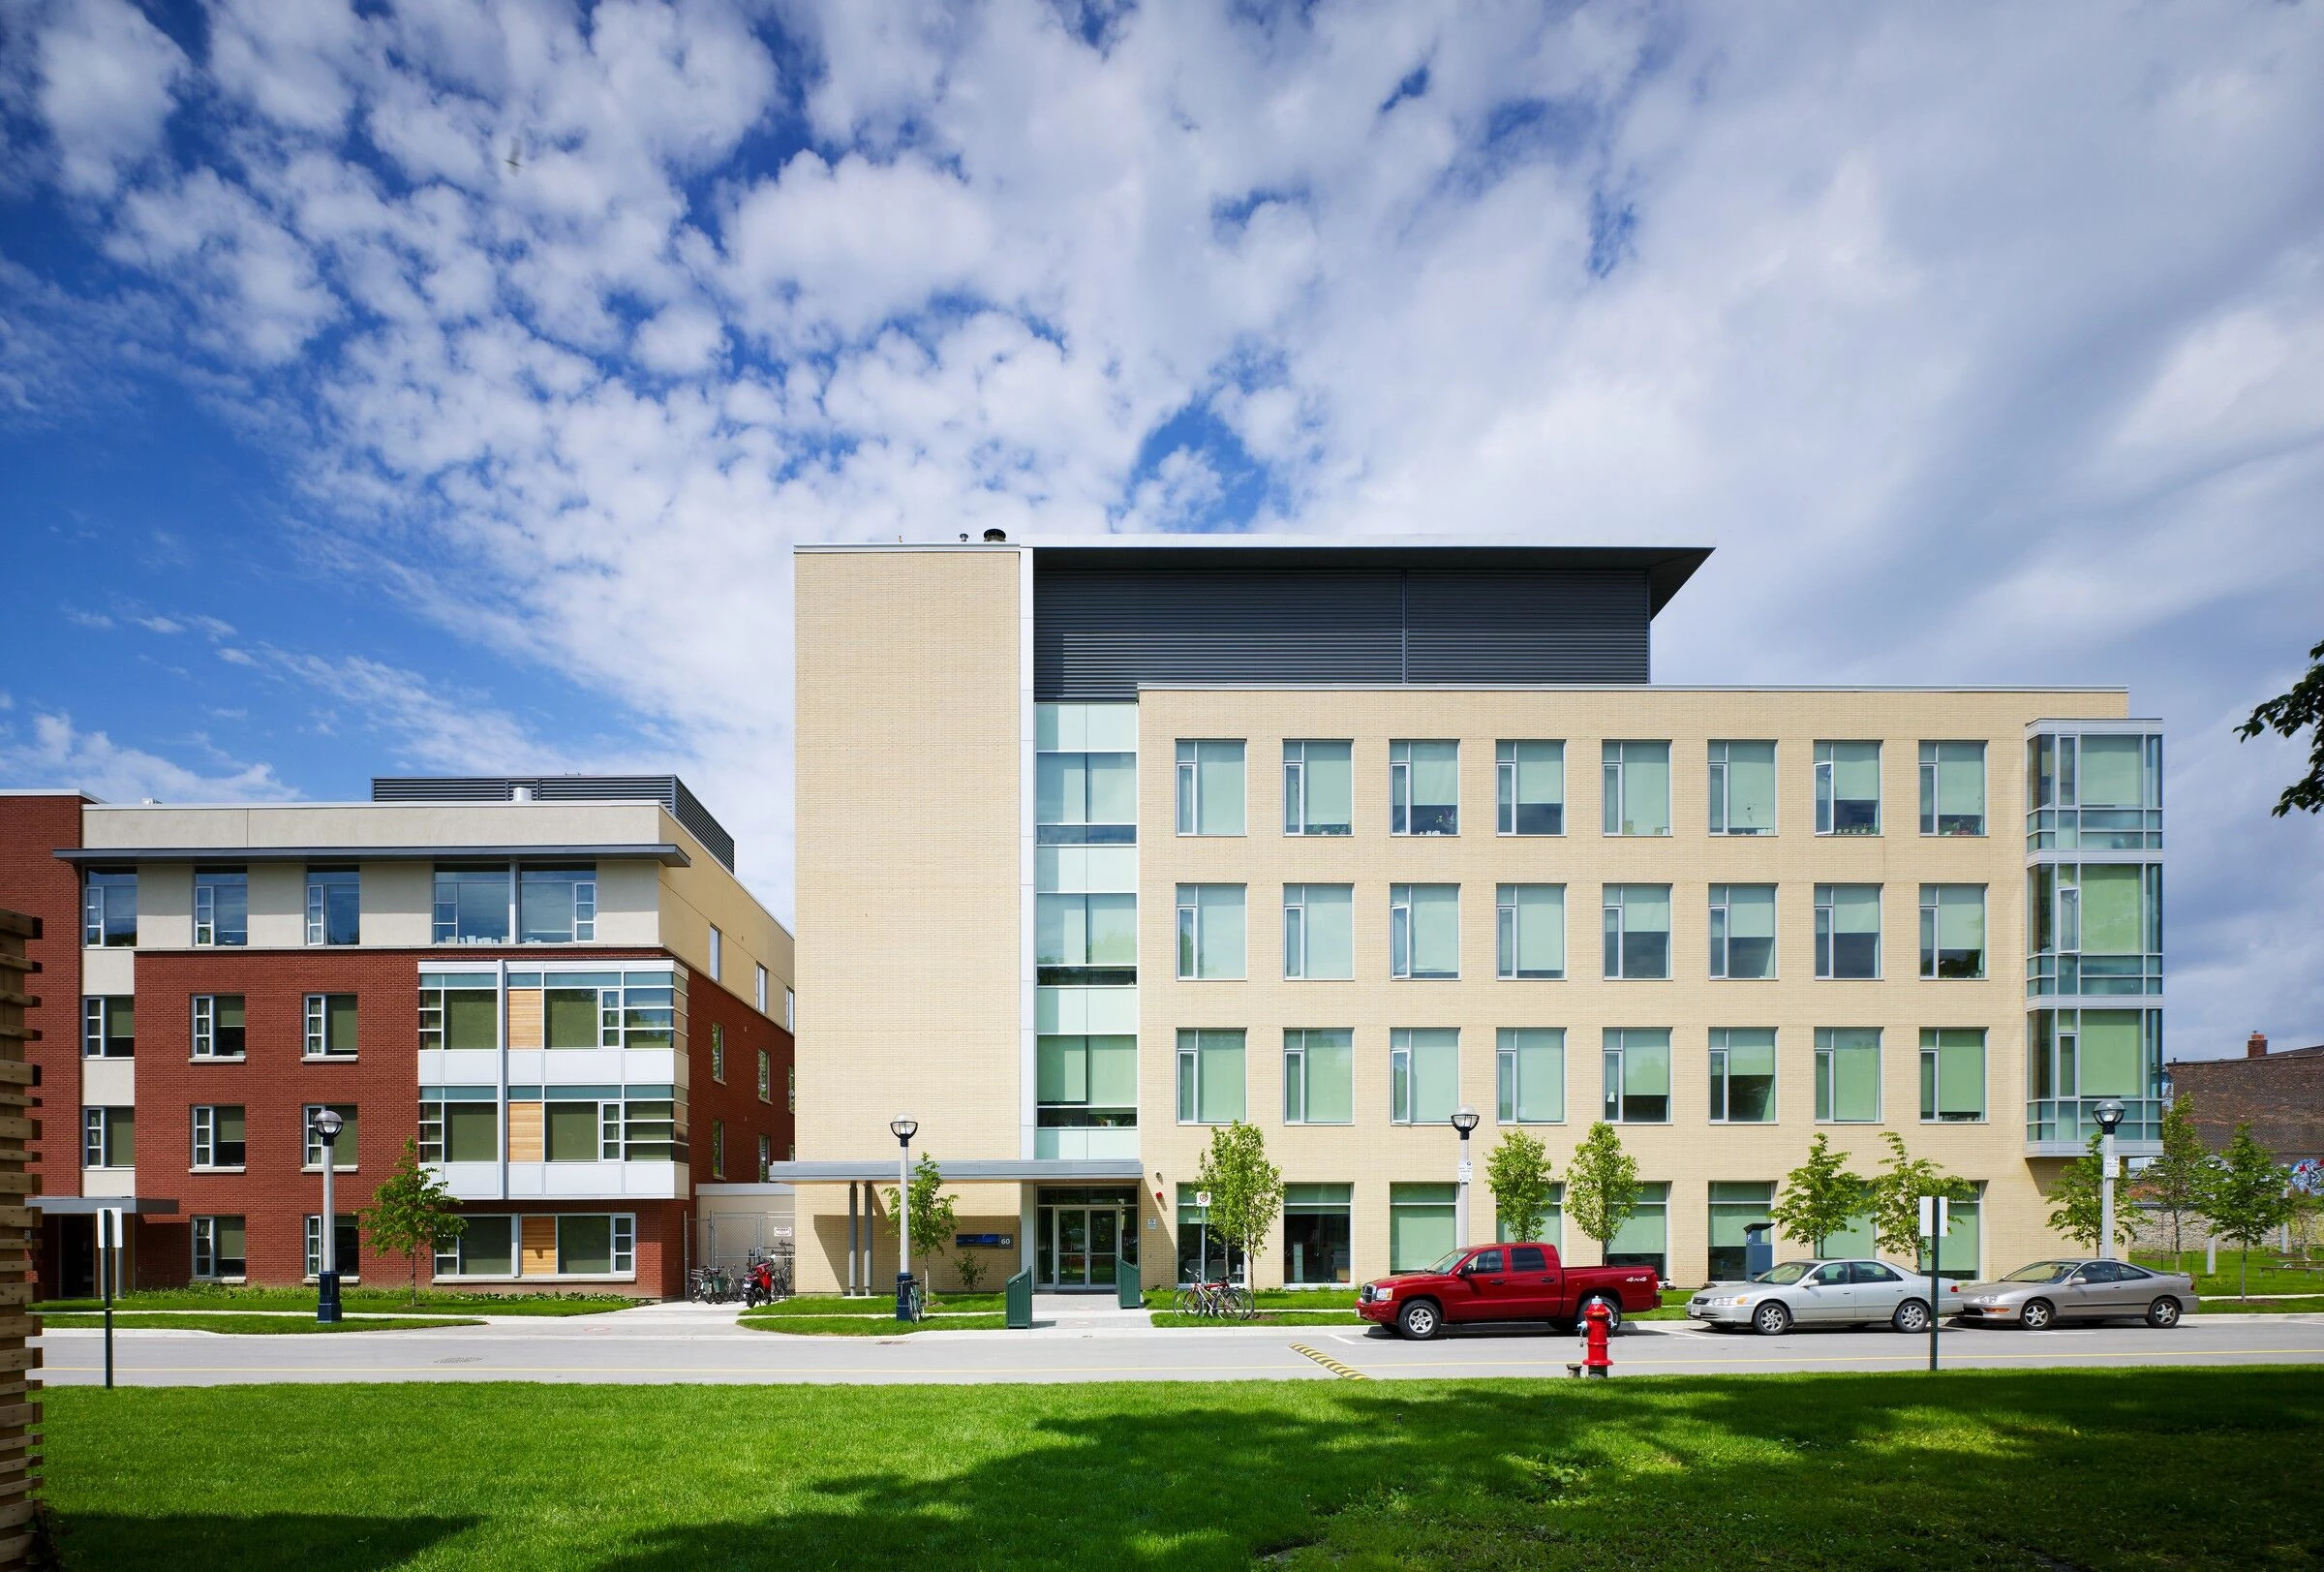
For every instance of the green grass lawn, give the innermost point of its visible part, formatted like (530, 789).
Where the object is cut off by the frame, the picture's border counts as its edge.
(2261, 1306)
(2265, 1277)
(1999, 1470)
(385, 1300)
(254, 1325)
(870, 1326)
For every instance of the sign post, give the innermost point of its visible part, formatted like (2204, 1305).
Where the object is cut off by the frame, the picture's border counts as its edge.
(1202, 1233)
(1935, 1215)
(109, 1256)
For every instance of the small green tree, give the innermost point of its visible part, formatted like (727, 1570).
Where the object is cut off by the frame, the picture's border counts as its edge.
(2078, 1202)
(2178, 1183)
(934, 1216)
(411, 1211)
(1519, 1171)
(1602, 1185)
(2249, 1197)
(1819, 1196)
(1246, 1191)
(1895, 1194)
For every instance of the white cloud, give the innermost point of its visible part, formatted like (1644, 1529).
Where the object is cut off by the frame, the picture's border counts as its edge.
(106, 81)
(56, 753)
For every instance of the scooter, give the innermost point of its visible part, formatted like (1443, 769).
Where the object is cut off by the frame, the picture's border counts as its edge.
(758, 1285)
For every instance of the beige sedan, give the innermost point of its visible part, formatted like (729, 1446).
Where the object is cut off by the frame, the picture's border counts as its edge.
(2039, 1296)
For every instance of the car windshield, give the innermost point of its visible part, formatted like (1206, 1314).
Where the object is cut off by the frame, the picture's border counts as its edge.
(2043, 1272)
(1447, 1263)
(1789, 1271)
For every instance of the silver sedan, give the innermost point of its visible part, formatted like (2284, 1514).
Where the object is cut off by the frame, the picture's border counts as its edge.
(1816, 1293)
(2039, 1296)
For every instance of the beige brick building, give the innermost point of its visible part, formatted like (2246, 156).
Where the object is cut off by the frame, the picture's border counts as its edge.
(1103, 846)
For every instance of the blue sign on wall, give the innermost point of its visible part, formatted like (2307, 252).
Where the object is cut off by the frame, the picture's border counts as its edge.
(996, 1242)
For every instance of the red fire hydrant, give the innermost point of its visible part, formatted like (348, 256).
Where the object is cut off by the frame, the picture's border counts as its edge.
(1596, 1325)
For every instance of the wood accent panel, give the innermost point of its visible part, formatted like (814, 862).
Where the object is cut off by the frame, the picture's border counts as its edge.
(19, 1388)
(540, 1247)
(525, 1132)
(525, 1014)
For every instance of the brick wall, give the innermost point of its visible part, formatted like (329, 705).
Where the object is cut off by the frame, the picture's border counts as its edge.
(33, 880)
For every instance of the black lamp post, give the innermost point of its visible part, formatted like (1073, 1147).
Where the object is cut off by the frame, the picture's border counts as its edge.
(327, 1126)
(903, 1129)
(1464, 1120)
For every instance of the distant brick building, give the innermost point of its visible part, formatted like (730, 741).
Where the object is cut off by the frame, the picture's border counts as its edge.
(2279, 1095)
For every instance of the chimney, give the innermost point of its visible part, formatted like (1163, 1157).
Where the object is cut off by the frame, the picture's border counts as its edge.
(2257, 1047)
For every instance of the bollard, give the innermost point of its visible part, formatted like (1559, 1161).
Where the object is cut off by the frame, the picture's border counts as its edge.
(1599, 1361)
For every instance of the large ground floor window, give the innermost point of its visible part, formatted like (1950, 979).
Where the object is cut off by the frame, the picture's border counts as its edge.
(1317, 1233)
(535, 1245)
(1736, 1205)
(1203, 1257)
(1644, 1240)
(1963, 1242)
(1554, 1221)
(1422, 1226)
(347, 1245)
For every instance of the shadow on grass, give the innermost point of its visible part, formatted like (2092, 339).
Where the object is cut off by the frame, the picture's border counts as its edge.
(238, 1544)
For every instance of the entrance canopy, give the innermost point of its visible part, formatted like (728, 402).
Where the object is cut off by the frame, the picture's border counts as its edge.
(146, 1206)
(966, 1170)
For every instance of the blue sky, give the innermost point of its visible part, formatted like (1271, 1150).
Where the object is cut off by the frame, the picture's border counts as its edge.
(440, 385)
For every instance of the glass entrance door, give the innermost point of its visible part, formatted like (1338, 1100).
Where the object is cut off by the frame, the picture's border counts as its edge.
(1080, 1239)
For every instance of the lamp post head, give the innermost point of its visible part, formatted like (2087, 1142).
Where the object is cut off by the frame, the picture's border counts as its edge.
(1465, 1121)
(904, 1128)
(328, 1123)
(2108, 1114)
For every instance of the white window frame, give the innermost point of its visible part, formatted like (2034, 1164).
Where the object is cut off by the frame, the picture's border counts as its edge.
(1930, 1065)
(1295, 1066)
(1505, 785)
(314, 1230)
(1723, 1086)
(205, 1138)
(319, 1021)
(1189, 776)
(97, 1135)
(1507, 938)
(1190, 937)
(312, 1160)
(1826, 789)
(1826, 1088)
(205, 912)
(1297, 965)
(205, 1262)
(1400, 1089)
(96, 1029)
(1827, 932)
(717, 1051)
(1189, 1052)
(766, 1076)
(1722, 936)
(1932, 813)
(318, 882)
(760, 988)
(1295, 787)
(1614, 1049)
(1614, 761)
(1509, 1094)
(1401, 801)
(1614, 910)
(1721, 815)
(1932, 903)
(718, 952)
(790, 1010)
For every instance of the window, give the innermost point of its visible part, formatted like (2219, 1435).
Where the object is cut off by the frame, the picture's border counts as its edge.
(1645, 1239)
(790, 1010)
(1637, 1075)
(1319, 932)
(347, 1246)
(790, 1094)
(1531, 930)
(108, 1137)
(1202, 1256)
(218, 1136)
(1424, 931)
(1743, 932)
(459, 1124)
(330, 1026)
(484, 1247)
(1742, 1075)
(1848, 930)
(766, 1157)
(1318, 789)
(1847, 1075)
(334, 906)
(471, 903)
(1424, 1074)
(1530, 1073)
(717, 1149)
(1952, 789)
(1734, 1206)
(1317, 1233)
(1963, 1242)
(1423, 789)
(1952, 1075)
(219, 1250)
(1638, 930)
(718, 953)
(717, 1051)
(108, 1027)
(559, 906)
(1952, 930)
(221, 905)
(1422, 1226)
(2075, 1058)
(2095, 928)
(1742, 788)
(653, 1126)
(1848, 788)
(1209, 788)
(1319, 1077)
(2101, 793)
(217, 1025)
(1086, 780)
(1210, 1089)
(459, 1009)
(1085, 939)
(766, 1076)
(581, 1124)
(758, 988)
(1210, 931)
(1637, 789)
(1529, 788)
(109, 908)
(1553, 1230)
(342, 1149)
(1087, 1082)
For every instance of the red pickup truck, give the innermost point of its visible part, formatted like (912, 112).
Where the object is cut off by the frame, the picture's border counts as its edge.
(1504, 1283)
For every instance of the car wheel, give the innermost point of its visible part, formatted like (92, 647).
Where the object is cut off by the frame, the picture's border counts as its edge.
(2164, 1313)
(1772, 1319)
(1613, 1315)
(2038, 1315)
(1911, 1317)
(1420, 1320)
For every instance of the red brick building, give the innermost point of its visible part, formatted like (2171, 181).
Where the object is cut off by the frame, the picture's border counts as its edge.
(2278, 1093)
(556, 987)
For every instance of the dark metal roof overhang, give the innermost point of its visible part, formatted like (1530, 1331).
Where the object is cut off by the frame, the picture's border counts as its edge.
(667, 852)
(966, 1170)
(144, 1206)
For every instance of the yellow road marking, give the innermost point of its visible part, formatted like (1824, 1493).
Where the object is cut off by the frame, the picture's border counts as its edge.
(1329, 1362)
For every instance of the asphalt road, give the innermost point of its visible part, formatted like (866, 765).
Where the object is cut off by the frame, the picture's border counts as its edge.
(689, 1343)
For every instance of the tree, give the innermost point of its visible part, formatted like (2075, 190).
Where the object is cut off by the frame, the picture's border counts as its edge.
(1602, 1185)
(934, 1214)
(1820, 1196)
(1896, 1191)
(411, 1211)
(1246, 1191)
(2288, 715)
(2079, 1202)
(2178, 1183)
(2248, 1198)
(1519, 1171)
